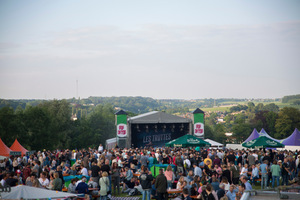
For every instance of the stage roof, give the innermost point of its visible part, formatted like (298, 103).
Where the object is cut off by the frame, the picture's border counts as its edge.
(155, 117)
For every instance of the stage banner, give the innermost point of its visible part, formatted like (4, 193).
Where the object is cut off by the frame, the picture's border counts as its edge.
(198, 123)
(121, 124)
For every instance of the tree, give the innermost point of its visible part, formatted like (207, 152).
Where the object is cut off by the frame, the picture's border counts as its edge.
(219, 133)
(288, 119)
(251, 107)
(271, 107)
(259, 107)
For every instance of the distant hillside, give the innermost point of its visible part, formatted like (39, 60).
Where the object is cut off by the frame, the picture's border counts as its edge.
(145, 104)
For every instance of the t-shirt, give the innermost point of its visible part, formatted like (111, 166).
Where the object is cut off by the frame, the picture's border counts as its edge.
(105, 168)
(285, 165)
(235, 171)
(275, 170)
(44, 182)
(263, 168)
(84, 172)
(130, 184)
(231, 158)
(82, 188)
(95, 170)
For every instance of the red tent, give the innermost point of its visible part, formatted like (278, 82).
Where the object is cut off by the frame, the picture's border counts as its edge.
(4, 150)
(16, 146)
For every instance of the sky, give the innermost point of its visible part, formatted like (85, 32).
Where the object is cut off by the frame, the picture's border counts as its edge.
(171, 49)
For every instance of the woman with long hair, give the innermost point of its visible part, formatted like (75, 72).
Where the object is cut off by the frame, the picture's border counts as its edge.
(170, 176)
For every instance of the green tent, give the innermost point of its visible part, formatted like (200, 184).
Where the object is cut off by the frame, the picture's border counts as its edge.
(263, 142)
(187, 141)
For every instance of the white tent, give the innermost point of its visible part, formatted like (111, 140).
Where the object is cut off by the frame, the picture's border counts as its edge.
(28, 192)
(213, 143)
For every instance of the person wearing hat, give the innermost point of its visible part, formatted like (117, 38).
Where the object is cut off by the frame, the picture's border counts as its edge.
(19, 177)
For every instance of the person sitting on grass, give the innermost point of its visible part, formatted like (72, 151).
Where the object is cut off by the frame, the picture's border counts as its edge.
(129, 185)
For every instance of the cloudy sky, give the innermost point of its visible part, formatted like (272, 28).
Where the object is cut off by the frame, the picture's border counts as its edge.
(161, 49)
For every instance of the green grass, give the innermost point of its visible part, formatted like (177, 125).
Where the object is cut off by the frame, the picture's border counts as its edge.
(216, 109)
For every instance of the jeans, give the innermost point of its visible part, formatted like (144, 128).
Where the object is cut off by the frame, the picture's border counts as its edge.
(273, 181)
(109, 178)
(116, 184)
(285, 179)
(253, 179)
(146, 192)
(293, 174)
(169, 184)
(264, 179)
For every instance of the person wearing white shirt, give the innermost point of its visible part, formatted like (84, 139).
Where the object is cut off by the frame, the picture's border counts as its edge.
(100, 148)
(244, 171)
(43, 180)
(84, 171)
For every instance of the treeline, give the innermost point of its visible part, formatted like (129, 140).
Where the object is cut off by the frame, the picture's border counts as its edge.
(242, 119)
(293, 99)
(48, 125)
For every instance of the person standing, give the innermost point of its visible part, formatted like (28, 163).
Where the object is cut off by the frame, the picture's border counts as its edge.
(264, 174)
(146, 182)
(235, 174)
(275, 170)
(285, 172)
(100, 148)
(161, 185)
(104, 185)
(170, 176)
(95, 170)
(115, 177)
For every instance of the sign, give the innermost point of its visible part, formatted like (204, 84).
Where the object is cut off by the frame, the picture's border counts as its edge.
(193, 141)
(121, 130)
(272, 143)
(29, 153)
(15, 153)
(199, 129)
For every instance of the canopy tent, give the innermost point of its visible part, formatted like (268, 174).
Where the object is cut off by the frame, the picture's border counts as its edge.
(264, 133)
(16, 146)
(292, 140)
(263, 142)
(28, 192)
(253, 136)
(4, 150)
(213, 143)
(187, 141)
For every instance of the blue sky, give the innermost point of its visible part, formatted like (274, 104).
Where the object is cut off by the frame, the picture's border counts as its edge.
(160, 49)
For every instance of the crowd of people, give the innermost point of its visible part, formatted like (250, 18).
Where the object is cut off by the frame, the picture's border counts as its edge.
(205, 174)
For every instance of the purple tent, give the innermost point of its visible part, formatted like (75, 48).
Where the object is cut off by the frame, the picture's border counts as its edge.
(264, 133)
(253, 135)
(293, 140)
